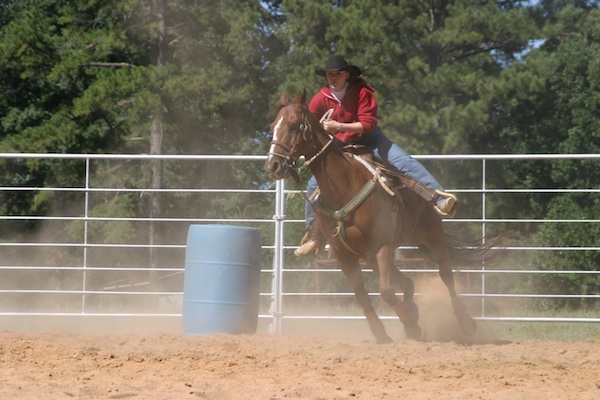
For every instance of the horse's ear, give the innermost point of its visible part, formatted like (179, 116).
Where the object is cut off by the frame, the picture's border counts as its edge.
(284, 100)
(302, 97)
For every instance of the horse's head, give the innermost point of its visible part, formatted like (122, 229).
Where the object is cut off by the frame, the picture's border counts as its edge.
(290, 138)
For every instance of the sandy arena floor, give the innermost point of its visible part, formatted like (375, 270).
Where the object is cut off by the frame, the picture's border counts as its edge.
(265, 367)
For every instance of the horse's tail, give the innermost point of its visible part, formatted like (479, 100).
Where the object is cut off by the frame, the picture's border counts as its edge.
(475, 253)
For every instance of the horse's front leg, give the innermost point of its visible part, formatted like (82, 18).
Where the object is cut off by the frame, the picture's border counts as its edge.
(407, 311)
(351, 268)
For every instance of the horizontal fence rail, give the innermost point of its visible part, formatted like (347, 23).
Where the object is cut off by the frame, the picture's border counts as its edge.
(62, 270)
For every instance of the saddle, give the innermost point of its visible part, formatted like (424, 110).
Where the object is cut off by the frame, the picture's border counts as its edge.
(390, 181)
(395, 179)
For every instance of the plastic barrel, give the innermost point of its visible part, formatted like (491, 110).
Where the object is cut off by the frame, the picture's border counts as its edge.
(221, 279)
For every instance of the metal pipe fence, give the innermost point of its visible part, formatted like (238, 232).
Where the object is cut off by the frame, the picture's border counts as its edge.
(64, 271)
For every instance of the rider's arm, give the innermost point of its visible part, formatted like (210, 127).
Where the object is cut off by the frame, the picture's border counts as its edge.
(335, 126)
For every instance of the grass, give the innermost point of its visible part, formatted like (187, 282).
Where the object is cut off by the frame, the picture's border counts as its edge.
(563, 331)
(488, 331)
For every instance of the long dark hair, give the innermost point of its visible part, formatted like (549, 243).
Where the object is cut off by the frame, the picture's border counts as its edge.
(358, 79)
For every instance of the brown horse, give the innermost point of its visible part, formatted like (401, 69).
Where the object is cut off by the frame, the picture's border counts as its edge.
(378, 223)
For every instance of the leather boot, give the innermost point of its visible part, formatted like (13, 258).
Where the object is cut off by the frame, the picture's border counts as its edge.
(445, 204)
(313, 242)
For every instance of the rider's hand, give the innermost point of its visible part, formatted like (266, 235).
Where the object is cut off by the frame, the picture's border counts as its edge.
(331, 125)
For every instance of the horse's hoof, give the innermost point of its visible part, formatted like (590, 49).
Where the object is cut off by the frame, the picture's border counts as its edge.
(413, 315)
(412, 330)
(467, 325)
(385, 339)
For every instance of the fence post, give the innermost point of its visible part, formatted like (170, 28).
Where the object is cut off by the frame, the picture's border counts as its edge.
(85, 234)
(277, 282)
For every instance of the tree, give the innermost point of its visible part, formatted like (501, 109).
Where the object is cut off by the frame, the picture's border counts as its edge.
(557, 110)
(184, 77)
(436, 67)
(106, 76)
(434, 64)
(47, 67)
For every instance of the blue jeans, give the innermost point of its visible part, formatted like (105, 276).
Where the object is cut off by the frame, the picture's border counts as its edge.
(388, 153)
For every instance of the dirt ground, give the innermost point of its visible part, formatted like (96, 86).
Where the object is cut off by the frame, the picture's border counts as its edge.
(263, 366)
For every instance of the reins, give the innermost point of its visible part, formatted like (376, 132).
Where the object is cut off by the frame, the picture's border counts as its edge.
(313, 158)
(290, 161)
(343, 214)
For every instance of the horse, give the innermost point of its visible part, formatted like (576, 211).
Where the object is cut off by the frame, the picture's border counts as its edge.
(373, 227)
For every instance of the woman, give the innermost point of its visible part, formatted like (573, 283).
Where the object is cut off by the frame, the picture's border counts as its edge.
(354, 121)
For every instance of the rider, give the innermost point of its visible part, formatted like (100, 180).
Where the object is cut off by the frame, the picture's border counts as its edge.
(354, 121)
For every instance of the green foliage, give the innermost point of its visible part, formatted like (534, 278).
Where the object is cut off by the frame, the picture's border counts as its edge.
(553, 108)
(108, 231)
(460, 76)
(83, 77)
(576, 207)
(434, 68)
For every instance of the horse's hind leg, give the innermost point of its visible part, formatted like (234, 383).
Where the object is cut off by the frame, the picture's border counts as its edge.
(465, 321)
(436, 242)
(351, 268)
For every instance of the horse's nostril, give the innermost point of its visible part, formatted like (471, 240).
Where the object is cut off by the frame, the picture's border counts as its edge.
(272, 166)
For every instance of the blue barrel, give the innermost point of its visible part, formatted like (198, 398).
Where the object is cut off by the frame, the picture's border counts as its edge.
(221, 280)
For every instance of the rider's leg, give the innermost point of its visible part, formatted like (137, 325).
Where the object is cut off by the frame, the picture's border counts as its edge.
(392, 154)
(313, 242)
(309, 211)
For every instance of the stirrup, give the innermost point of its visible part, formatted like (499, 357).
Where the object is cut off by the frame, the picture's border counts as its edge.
(309, 248)
(451, 199)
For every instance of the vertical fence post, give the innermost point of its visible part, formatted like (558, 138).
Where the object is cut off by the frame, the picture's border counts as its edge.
(85, 233)
(276, 308)
(483, 228)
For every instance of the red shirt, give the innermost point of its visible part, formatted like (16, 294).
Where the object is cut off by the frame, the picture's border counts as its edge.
(358, 104)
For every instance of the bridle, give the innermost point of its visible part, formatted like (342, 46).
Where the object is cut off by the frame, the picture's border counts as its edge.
(287, 156)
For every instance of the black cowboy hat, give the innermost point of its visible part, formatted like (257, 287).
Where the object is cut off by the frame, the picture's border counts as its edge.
(338, 63)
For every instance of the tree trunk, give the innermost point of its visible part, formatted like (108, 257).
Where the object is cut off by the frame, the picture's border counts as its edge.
(156, 138)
